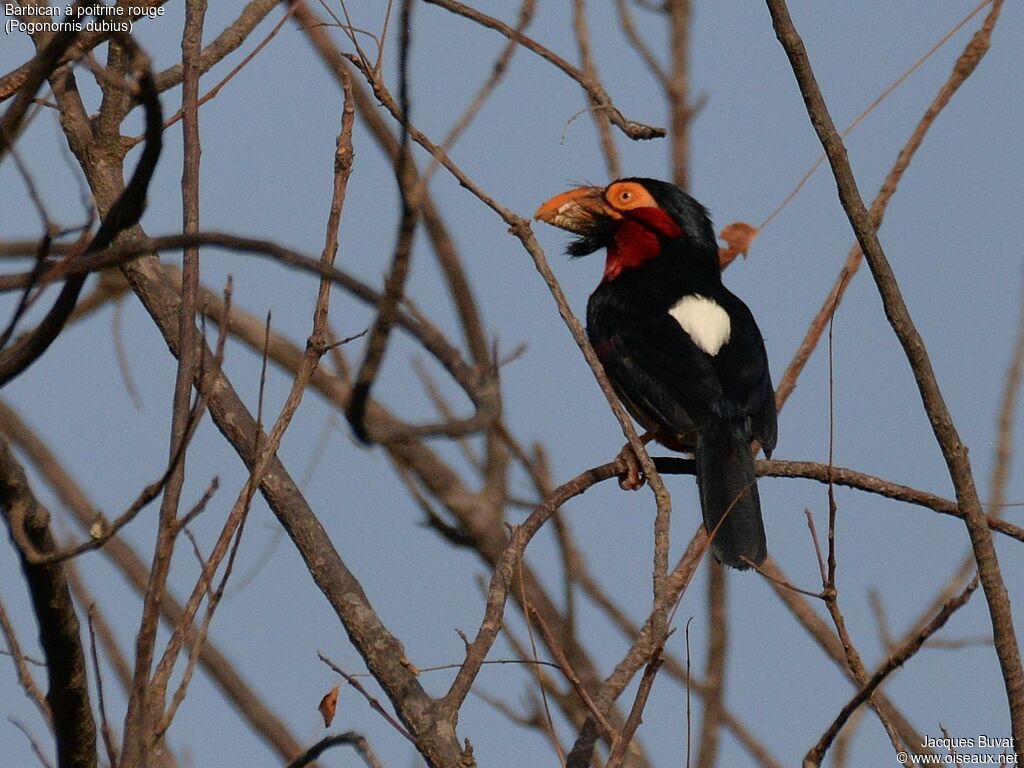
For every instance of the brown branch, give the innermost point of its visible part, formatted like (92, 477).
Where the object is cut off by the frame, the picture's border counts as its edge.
(146, 698)
(379, 648)
(677, 93)
(953, 450)
(810, 470)
(315, 349)
(714, 671)
(59, 632)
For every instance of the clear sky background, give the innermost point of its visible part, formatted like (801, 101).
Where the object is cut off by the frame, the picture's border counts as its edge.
(953, 235)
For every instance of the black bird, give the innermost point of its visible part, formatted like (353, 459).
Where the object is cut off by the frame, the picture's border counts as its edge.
(682, 352)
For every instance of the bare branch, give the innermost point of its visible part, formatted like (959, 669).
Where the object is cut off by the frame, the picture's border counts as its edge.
(965, 65)
(59, 632)
(953, 450)
(896, 659)
(21, 669)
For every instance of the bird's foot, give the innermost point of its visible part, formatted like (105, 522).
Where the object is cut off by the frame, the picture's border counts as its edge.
(633, 478)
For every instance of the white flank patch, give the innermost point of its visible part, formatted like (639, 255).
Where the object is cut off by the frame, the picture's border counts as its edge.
(706, 322)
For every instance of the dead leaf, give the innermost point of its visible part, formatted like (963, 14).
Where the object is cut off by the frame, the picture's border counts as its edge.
(410, 666)
(328, 706)
(738, 238)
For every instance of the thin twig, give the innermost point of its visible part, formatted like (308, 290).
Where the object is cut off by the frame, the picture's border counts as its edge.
(965, 65)
(594, 89)
(394, 285)
(714, 669)
(36, 749)
(374, 703)
(108, 736)
(896, 659)
(589, 68)
(871, 107)
(21, 669)
(146, 700)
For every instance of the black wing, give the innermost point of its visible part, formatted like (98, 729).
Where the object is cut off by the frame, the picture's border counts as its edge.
(663, 377)
(742, 367)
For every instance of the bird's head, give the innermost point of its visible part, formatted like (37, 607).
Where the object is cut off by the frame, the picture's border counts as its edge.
(636, 220)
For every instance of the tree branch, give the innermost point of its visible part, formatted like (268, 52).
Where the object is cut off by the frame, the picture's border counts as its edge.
(59, 632)
(953, 450)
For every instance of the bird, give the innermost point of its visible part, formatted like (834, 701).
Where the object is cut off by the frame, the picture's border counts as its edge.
(682, 352)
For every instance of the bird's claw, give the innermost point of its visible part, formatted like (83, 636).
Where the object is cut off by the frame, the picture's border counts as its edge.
(633, 478)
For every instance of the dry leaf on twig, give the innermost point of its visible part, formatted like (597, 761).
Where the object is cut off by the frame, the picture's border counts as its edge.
(328, 706)
(738, 238)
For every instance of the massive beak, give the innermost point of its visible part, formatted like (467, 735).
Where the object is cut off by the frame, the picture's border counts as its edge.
(580, 210)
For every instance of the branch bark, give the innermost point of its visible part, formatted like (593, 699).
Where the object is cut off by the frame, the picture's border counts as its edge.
(28, 523)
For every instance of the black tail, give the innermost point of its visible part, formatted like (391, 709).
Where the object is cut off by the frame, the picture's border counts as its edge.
(728, 493)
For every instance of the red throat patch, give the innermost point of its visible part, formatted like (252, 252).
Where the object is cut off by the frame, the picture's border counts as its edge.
(637, 239)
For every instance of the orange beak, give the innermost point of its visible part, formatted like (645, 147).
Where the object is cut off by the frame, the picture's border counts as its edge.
(577, 210)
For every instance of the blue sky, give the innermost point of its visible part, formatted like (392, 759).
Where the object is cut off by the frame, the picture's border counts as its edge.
(953, 234)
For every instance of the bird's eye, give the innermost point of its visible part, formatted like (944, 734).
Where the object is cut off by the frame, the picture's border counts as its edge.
(625, 195)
